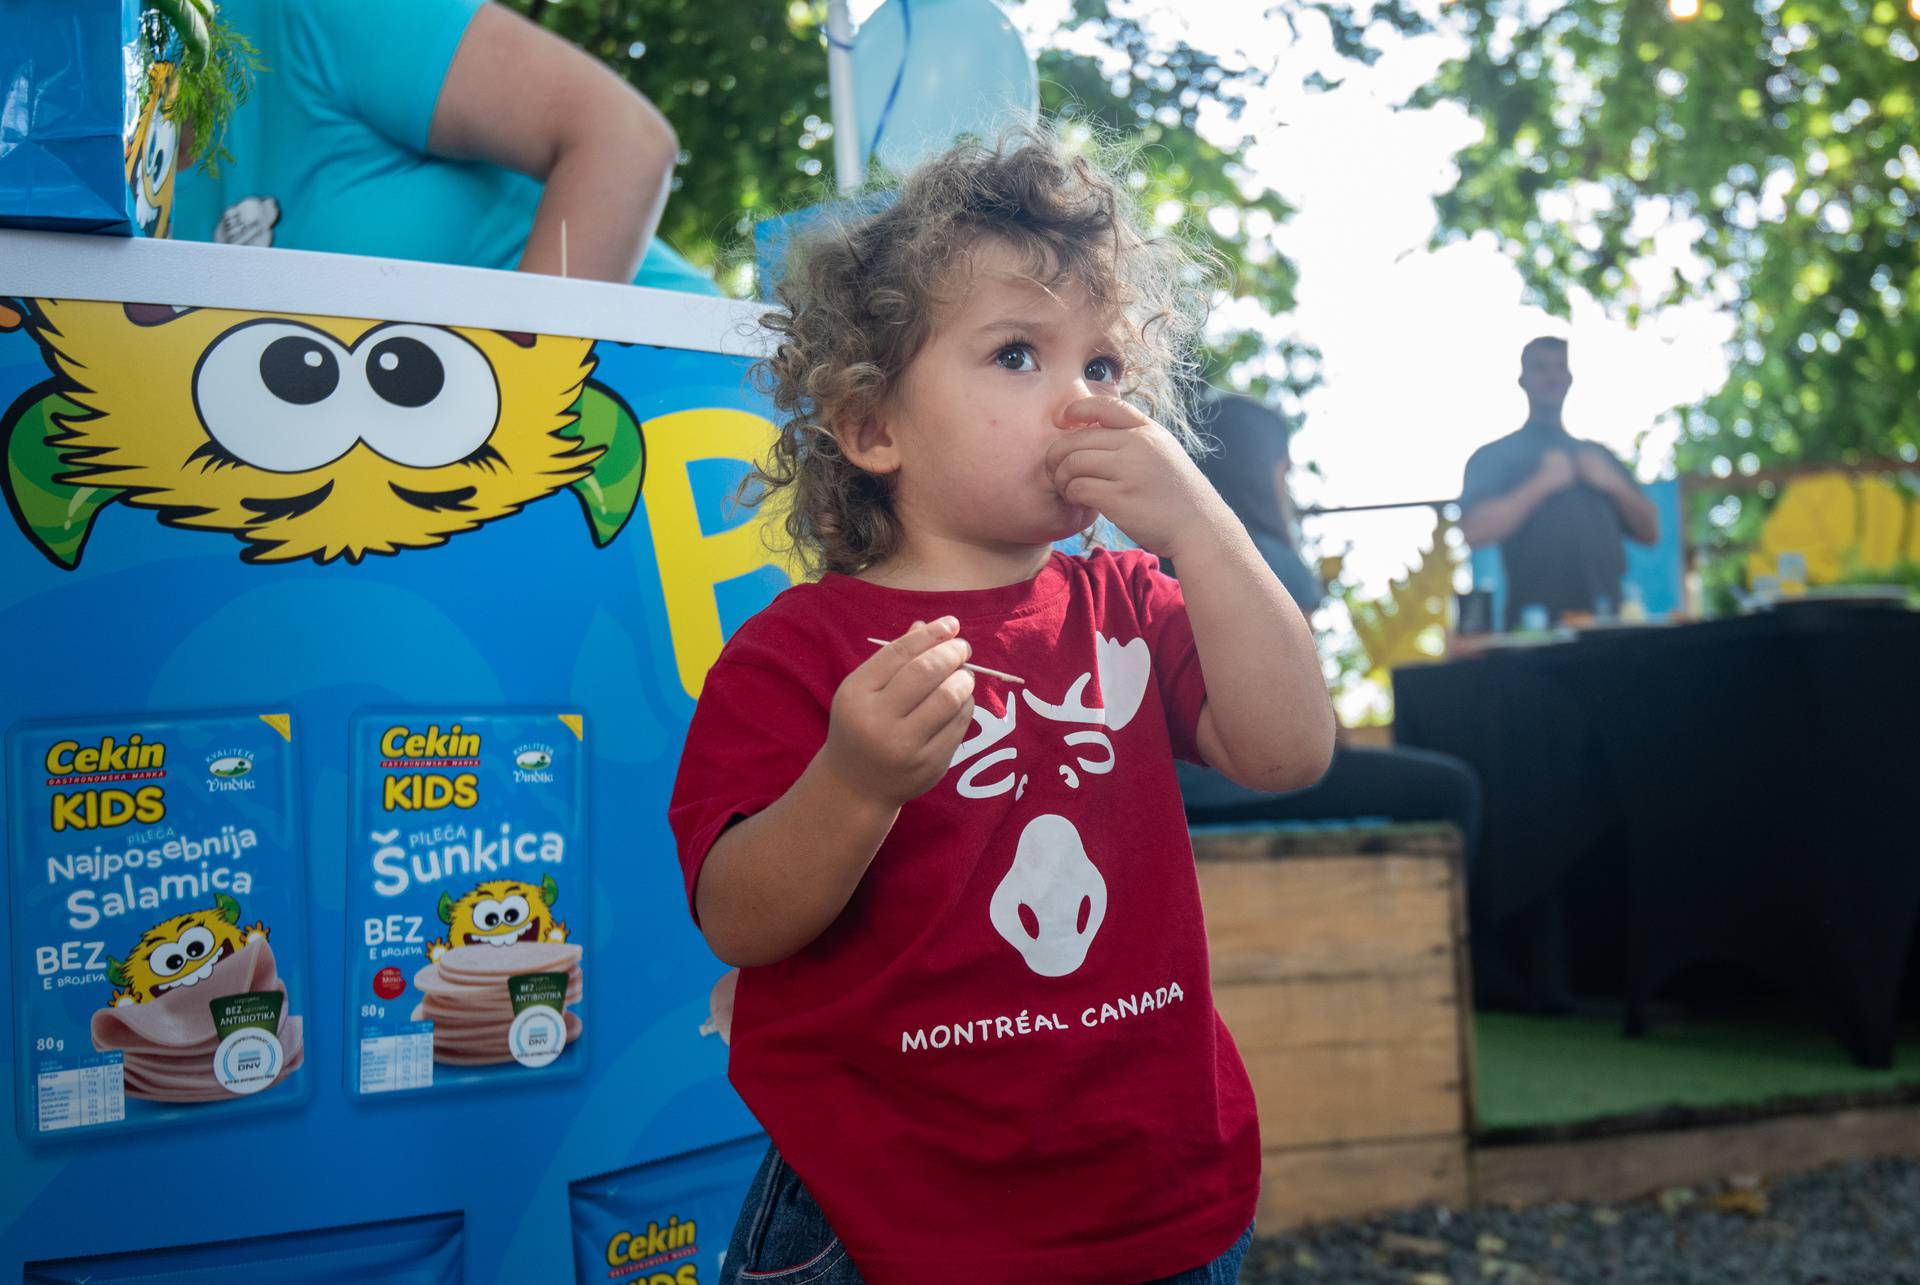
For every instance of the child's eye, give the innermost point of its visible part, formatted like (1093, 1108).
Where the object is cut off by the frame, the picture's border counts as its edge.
(1103, 370)
(1015, 357)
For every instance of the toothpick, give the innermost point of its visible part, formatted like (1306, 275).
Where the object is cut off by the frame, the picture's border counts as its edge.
(978, 669)
(563, 247)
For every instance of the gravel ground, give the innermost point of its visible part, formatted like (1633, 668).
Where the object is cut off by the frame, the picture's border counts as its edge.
(1853, 1224)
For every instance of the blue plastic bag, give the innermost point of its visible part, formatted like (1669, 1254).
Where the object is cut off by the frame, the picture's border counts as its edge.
(663, 1223)
(411, 1251)
(69, 96)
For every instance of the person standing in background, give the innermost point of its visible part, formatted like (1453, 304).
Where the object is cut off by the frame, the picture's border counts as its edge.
(450, 131)
(1557, 506)
(1249, 470)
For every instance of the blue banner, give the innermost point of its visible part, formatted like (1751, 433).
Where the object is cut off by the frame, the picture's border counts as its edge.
(79, 153)
(369, 523)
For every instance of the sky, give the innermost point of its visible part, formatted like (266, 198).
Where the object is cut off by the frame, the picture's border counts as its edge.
(1420, 347)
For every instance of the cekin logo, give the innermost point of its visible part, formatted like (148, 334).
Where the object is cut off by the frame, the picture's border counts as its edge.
(632, 1253)
(431, 748)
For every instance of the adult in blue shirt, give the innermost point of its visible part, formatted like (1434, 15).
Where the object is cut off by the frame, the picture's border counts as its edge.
(453, 131)
(1557, 506)
(1249, 466)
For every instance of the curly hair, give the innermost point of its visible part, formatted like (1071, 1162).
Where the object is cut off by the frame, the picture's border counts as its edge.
(860, 297)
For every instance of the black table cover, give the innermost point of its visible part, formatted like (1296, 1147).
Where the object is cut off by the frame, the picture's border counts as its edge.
(1763, 772)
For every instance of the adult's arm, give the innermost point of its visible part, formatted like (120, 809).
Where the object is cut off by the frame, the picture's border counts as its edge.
(1605, 474)
(520, 97)
(1490, 521)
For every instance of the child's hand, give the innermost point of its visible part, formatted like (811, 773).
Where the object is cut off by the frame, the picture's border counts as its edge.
(1134, 472)
(898, 718)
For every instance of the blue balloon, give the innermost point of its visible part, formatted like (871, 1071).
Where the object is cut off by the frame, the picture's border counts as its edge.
(926, 72)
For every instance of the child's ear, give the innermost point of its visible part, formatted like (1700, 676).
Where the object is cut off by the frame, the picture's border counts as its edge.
(868, 442)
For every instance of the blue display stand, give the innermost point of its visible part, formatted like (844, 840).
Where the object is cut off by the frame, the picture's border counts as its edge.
(245, 479)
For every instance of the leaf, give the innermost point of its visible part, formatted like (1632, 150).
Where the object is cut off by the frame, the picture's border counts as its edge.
(57, 516)
(1816, 517)
(1883, 520)
(610, 493)
(1401, 628)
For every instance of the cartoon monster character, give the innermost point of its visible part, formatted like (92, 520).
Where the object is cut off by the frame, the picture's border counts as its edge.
(248, 221)
(307, 437)
(153, 154)
(499, 912)
(181, 951)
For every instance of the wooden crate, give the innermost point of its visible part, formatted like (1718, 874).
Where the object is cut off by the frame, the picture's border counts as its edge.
(1339, 966)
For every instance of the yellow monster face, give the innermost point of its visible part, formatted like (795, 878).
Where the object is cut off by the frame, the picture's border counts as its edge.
(313, 437)
(153, 155)
(183, 951)
(500, 912)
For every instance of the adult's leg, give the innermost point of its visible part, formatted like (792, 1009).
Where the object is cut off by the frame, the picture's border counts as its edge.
(1397, 784)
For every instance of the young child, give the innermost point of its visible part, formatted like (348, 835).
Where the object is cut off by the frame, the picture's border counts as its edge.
(974, 1012)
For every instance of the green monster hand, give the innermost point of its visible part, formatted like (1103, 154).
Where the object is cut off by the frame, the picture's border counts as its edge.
(56, 515)
(611, 492)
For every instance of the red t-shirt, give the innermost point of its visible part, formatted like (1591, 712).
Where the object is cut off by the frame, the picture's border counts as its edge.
(1002, 1061)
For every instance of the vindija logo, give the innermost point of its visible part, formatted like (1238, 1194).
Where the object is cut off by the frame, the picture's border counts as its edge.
(533, 763)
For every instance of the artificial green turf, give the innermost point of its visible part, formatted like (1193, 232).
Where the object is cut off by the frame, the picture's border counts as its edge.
(1534, 1071)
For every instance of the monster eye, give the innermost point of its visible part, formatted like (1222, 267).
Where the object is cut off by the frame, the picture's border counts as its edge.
(435, 399)
(193, 949)
(269, 393)
(160, 140)
(486, 914)
(405, 372)
(299, 370)
(514, 909)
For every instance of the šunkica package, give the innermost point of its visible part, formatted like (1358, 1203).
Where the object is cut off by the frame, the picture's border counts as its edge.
(466, 899)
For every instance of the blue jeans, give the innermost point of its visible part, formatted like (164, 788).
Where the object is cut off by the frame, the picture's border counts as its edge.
(782, 1238)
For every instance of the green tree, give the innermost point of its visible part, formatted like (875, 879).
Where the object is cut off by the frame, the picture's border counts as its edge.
(1783, 132)
(745, 86)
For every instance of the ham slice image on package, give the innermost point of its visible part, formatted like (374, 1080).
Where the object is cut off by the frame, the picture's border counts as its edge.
(481, 1001)
(173, 1049)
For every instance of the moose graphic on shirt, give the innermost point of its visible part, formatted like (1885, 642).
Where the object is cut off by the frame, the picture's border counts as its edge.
(1051, 903)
